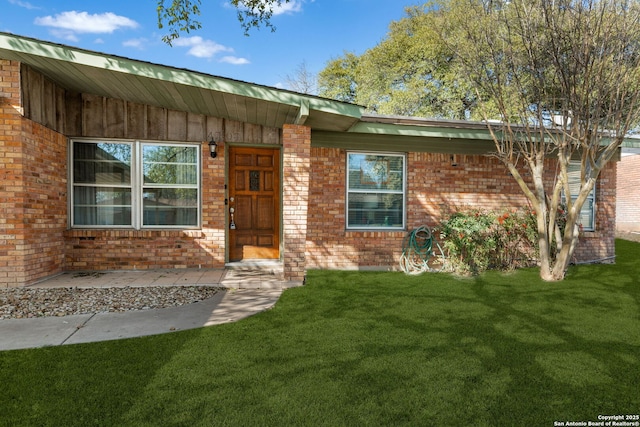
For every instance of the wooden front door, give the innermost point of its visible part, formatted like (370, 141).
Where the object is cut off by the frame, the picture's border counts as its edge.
(254, 203)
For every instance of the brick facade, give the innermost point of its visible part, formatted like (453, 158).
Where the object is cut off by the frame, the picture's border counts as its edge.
(35, 240)
(435, 188)
(33, 189)
(628, 200)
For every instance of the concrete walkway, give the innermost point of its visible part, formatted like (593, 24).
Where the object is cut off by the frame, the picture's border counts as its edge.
(248, 291)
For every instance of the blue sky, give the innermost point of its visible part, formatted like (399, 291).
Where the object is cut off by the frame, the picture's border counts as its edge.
(309, 31)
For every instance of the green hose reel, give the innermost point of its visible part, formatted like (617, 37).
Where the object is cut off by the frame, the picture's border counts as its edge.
(421, 252)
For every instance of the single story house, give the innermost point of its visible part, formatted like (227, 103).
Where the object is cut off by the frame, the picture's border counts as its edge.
(111, 163)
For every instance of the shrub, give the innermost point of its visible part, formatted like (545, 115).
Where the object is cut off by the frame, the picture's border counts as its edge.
(477, 240)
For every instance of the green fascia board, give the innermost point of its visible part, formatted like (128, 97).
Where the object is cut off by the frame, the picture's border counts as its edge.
(469, 131)
(422, 131)
(27, 46)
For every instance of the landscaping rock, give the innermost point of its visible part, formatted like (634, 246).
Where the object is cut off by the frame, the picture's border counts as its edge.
(19, 303)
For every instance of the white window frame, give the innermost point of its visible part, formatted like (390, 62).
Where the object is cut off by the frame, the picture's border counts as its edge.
(589, 206)
(136, 185)
(403, 191)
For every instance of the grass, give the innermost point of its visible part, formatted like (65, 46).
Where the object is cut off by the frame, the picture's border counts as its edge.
(354, 348)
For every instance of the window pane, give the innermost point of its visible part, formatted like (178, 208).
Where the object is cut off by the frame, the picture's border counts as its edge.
(369, 172)
(574, 174)
(162, 181)
(170, 206)
(586, 218)
(586, 215)
(101, 163)
(170, 165)
(375, 210)
(101, 206)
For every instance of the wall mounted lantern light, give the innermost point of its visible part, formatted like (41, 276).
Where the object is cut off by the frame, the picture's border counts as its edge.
(212, 148)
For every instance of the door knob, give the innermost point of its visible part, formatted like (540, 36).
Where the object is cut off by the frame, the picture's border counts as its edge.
(232, 224)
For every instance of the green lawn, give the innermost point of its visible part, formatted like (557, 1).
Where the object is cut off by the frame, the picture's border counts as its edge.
(363, 349)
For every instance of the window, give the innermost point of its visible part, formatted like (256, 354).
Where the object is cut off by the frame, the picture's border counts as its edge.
(135, 184)
(587, 213)
(375, 190)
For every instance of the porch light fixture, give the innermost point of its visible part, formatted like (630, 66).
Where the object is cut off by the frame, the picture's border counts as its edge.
(212, 148)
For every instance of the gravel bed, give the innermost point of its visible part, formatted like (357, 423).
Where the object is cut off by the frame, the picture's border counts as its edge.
(20, 303)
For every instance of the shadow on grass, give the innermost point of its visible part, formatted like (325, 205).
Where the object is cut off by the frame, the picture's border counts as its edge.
(354, 348)
(81, 385)
(387, 349)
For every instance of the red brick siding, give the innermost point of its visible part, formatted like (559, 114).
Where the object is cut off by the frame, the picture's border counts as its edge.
(628, 202)
(434, 188)
(33, 190)
(296, 141)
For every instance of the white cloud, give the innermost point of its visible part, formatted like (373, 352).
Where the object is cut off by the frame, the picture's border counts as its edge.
(291, 7)
(24, 4)
(135, 43)
(65, 35)
(234, 60)
(83, 22)
(203, 48)
(200, 47)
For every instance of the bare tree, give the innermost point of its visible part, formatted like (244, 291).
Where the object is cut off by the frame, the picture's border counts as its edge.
(563, 79)
(303, 80)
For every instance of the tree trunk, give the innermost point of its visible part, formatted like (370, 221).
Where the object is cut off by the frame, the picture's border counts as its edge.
(571, 235)
(543, 244)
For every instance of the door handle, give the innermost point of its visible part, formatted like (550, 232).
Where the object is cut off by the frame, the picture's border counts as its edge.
(232, 224)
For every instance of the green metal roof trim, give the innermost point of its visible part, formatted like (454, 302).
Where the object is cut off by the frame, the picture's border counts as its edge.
(447, 129)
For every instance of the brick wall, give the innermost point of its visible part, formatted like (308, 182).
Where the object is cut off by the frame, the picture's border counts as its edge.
(628, 201)
(33, 190)
(148, 249)
(435, 187)
(296, 144)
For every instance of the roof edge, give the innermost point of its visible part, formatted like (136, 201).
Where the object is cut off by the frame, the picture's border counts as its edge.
(114, 63)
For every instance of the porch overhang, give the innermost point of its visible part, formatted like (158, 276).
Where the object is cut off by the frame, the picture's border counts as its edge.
(85, 71)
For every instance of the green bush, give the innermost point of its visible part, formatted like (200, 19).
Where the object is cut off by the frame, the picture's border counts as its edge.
(477, 240)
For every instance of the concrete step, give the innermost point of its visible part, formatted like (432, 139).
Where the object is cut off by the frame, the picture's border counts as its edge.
(255, 274)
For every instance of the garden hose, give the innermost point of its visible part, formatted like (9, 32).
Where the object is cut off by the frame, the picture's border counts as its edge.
(420, 252)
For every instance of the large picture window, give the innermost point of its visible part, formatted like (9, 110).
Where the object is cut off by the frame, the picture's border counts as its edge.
(375, 190)
(135, 184)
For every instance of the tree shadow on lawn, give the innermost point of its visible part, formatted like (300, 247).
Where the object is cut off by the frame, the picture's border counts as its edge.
(353, 348)
(387, 349)
(83, 384)
(571, 348)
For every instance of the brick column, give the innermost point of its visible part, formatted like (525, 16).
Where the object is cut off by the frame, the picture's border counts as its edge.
(33, 189)
(11, 171)
(296, 141)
